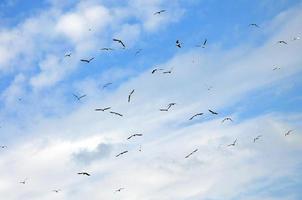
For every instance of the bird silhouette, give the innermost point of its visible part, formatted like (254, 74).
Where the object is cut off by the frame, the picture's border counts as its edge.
(87, 60)
(106, 85)
(168, 107)
(106, 49)
(134, 135)
(116, 113)
(79, 97)
(214, 113)
(257, 138)
(119, 41)
(296, 38)
(57, 191)
(198, 114)
(282, 42)
(84, 173)
(276, 68)
(233, 144)
(138, 51)
(203, 45)
(3, 147)
(102, 109)
(159, 12)
(23, 182)
(227, 119)
(254, 25)
(288, 132)
(178, 44)
(119, 190)
(155, 70)
(67, 55)
(129, 96)
(121, 153)
(190, 154)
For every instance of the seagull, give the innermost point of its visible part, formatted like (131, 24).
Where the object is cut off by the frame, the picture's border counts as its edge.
(68, 55)
(288, 132)
(106, 49)
(87, 60)
(134, 135)
(79, 97)
(191, 153)
(115, 113)
(204, 44)
(23, 182)
(138, 51)
(198, 114)
(168, 72)
(276, 68)
(106, 85)
(121, 153)
(119, 41)
(129, 96)
(214, 113)
(3, 147)
(282, 42)
(57, 191)
(178, 44)
(257, 138)
(84, 173)
(227, 118)
(155, 70)
(102, 109)
(168, 107)
(159, 12)
(233, 144)
(255, 25)
(119, 190)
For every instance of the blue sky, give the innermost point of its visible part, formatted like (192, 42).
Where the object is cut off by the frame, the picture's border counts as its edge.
(50, 134)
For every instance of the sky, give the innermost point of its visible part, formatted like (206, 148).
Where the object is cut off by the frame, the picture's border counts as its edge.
(48, 136)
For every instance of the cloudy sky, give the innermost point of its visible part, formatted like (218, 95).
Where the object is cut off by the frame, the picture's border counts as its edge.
(242, 73)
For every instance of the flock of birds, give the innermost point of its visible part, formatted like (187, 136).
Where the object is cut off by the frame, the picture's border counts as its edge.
(178, 44)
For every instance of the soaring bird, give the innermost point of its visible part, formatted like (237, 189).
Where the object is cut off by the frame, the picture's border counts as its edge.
(288, 132)
(119, 41)
(198, 114)
(187, 156)
(214, 113)
(129, 96)
(134, 135)
(168, 71)
(276, 68)
(23, 182)
(106, 85)
(3, 147)
(296, 38)
(282, 42)
(255, 25)
(227, 118)
(115, 113)
(138, 51)
(155, 70)
(168, 107)
(121, 153)
(119, 190)
(203, 45)
(57, 191)
(106, 49)
(67, 55)
(102, 109)
(79, 97)
(257, 138)
(233, 144)
(84, 173)
(159, 12)
(87, 60)
(178, 44)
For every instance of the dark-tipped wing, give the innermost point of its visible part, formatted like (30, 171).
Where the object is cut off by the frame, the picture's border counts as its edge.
(187, 156)
(213, 112)
(116, 113)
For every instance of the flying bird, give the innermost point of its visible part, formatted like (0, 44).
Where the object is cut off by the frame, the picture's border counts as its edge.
(3, 147)
(296, 38)
(227, 119)
(159, 12)
(57, 191)
(138, 51)
(119, 190)
(204, 44)
(288, 132)
(121, 153)
(23, 182)
(87, 60)
(276, 68)
(187, 156)
(134, 135)
(178, 44)
(106, 85)
(102, 109)
(214, 113)
(79, 97)
(119, 41)
(198, 114)
(106, 49)
(67, 55)
(129, 96)
(254, 25)
(282, 42)
(257, 138)
(115, 113)
(168, 72)
(168, 107)
(155, 70)
(84, 173)
(233, 144)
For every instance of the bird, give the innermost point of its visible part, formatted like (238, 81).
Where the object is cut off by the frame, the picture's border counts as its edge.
(121, 153)
(106, 49)
(106, 85)
(87, 60)
(56, 191)
(296, 38)
(168, 71)
(159, 12)
(214, 113)
(155, 70)
(255, 25)
(79, 97)
(3, 147)
(119, 190)
(115, 113)
(282, 42)
(67, 55)
(102, 109)
(204, 44)
(134, 135)
(233, 144)
(227, 118)
(168, 107)
(129, 96)
(198, 114)
(23, 182)
(288, 132)
(119, 41)
(138, 51)
(178, 44)
(84, 173)
(257, 138)
(276, 68)
(187, 156)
